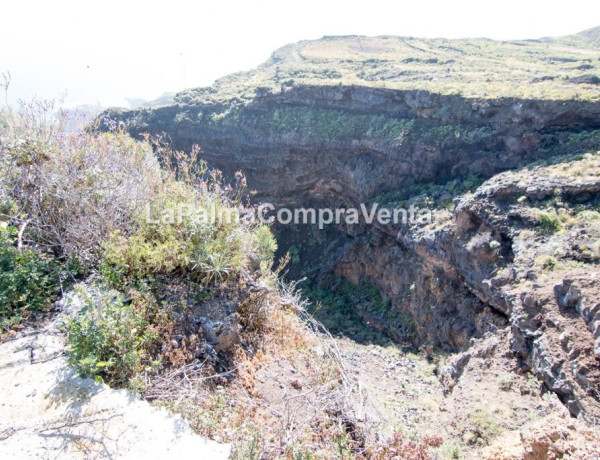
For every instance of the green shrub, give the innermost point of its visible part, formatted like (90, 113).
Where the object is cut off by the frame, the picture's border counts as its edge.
(589, 216)
(550, 222)
(220, 250)
(265, 243)
(484, 426)
(29, 281)
(86, 197)
(210, 251)
(112, 337)
(211, 244)
(142, 255)
(549, 263)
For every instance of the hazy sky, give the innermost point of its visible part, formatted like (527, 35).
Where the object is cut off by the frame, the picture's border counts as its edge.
(100, 52)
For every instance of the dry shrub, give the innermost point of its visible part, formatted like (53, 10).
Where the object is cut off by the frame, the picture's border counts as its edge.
(397, 447)
(246, 369)
(317, 420)
(71, 191)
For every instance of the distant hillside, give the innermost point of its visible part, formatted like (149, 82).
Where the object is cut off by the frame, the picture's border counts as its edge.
(592, 36)
(549, 68)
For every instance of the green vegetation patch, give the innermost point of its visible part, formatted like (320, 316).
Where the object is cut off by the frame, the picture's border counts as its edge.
(29, 280)
(113, 336)
(356, 311)
(325, 124)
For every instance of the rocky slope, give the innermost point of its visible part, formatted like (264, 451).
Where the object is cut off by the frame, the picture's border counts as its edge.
(349, 120)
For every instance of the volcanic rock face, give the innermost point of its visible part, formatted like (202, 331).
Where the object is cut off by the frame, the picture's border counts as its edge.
(350, 143)
(492, 263)
(498, 260)
(547, 288)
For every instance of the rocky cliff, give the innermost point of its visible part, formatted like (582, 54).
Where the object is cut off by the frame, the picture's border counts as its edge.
(354, 142)
(349, 120)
